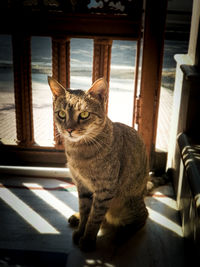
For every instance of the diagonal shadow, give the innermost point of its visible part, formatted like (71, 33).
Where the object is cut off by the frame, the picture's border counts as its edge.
(163, 206)
(54, 206)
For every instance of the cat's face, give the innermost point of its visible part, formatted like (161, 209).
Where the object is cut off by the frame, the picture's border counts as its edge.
(79, 115)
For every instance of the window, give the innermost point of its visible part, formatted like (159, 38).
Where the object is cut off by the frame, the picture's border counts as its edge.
(42, 96)
(166, 93)
(81, 59)
(121, 95)
(7, 98)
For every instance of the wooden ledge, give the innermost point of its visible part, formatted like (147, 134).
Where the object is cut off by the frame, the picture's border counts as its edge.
(32, 156)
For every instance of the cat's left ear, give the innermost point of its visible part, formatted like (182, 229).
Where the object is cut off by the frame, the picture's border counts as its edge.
(56, 88)
(99, 90)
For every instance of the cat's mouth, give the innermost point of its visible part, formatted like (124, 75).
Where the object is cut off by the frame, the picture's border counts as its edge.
(73, 136)
(77, 135)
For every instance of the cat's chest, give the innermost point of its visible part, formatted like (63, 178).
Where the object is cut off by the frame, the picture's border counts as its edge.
(94, 173)
(88, 169)
(87, 162)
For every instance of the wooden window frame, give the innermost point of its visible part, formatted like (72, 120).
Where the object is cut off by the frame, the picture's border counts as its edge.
(103, 29)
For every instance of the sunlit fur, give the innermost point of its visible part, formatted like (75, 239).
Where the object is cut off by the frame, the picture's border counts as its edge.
(107, 161)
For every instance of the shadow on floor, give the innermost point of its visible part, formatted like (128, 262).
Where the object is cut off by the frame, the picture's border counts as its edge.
(10, 257)
(35, 232)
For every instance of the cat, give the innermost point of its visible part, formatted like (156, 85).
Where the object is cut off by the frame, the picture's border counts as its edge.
(107, 160)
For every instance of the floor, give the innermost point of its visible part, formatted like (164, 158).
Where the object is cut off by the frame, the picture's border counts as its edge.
(34, 229)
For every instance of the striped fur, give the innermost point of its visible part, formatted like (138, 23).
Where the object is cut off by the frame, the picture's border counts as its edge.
(107, 160)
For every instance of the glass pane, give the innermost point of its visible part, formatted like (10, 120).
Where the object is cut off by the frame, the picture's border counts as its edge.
(171, 48)
(121, 95)
(42, 96)
(7, 100)
(81, 59)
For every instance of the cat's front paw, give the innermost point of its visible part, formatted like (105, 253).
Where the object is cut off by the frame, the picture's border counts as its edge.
(87, 244)
(74, 220)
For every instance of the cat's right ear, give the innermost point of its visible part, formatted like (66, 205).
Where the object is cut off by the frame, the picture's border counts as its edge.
(99, 90)
(56, 88)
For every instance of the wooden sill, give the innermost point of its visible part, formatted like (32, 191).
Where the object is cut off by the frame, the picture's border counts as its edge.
(32, 156)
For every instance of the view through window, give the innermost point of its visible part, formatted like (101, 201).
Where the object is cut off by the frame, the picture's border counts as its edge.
(7, 100)
(41, 62)
(81, 59)
(120, 107)
(171, 48)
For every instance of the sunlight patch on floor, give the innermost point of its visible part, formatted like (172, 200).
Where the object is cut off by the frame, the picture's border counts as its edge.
(166, 200)
(165, 222)
(98, 262)
(50, 199)
(26, 212)
(74, 194)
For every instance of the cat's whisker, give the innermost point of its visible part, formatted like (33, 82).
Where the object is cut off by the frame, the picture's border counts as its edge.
(98, 139)
(95, 143)
(57, 134)
(102, 143)
(92, 141)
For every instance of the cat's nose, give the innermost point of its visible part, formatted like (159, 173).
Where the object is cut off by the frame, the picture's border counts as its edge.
(69, 130)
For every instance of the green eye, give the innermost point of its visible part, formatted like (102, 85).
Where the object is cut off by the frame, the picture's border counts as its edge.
(84, 115)
(61, 114)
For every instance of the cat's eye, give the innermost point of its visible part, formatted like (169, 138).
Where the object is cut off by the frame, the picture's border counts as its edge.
(61, 114)
(84, 115)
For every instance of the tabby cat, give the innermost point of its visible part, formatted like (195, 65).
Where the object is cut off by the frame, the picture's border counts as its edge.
(107, 161)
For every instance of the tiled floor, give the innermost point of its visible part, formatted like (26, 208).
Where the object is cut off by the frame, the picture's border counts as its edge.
(35, 232)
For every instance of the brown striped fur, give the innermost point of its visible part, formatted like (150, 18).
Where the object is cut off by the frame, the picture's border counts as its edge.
(107, 160)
